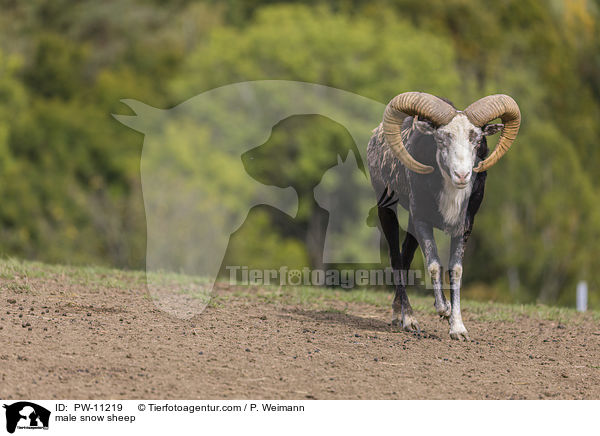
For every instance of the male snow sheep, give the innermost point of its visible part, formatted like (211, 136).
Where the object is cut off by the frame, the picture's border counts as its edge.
(423, 156)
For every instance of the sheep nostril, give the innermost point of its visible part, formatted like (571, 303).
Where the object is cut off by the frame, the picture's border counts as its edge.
(463, 177)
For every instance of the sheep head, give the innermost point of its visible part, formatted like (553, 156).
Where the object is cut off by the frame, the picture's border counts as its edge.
(457, 133)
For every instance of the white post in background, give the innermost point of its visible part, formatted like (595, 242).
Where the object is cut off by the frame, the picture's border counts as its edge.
(582, 296)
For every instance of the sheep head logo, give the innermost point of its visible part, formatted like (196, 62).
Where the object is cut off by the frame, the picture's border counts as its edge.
(196, 190)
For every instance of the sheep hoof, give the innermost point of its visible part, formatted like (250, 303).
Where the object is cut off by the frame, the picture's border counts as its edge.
(445, 310)
(410, 324)
(459, 333)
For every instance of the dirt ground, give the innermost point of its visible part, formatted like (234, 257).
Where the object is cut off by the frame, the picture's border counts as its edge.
(60, 339)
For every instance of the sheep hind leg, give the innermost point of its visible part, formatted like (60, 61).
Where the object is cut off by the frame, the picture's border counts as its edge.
(442, 306)
(402, 313)
(409, 322)
(424, 232)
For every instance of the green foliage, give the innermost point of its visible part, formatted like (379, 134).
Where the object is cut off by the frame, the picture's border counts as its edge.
(373, 58)
(70, 176)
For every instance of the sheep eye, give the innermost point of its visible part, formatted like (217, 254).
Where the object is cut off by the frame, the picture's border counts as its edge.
(444, 139)
(472, 135)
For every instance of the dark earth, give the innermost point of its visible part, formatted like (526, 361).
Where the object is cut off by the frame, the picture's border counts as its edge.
(101, 338)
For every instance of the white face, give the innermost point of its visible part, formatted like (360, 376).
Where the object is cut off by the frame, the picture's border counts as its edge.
(457, 143)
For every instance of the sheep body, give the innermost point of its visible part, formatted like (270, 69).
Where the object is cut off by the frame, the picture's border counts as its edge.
(432, 201)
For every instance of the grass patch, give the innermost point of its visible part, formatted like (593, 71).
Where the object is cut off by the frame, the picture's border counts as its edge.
(93, 277)
(22, 276)
(323, 298)
(309, 295)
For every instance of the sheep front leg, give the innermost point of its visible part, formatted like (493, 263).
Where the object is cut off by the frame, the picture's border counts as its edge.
(457, 328)
(424, 233)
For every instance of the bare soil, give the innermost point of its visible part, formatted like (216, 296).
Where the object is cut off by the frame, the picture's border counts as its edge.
(64, 340)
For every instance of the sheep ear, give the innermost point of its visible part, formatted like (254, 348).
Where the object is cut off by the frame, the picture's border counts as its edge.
(144, 118)
(424, 126)
(492, 129)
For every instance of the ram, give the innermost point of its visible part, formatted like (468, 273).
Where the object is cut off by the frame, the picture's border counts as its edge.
(423, 156)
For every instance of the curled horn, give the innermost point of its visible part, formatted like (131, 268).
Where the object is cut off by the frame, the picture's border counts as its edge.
(489, 108)
(418, 104)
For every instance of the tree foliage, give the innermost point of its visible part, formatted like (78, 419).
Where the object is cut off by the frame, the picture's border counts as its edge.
(70, 177)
